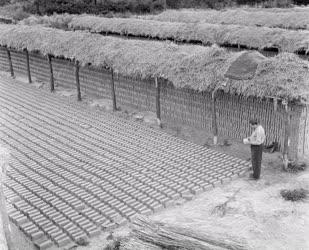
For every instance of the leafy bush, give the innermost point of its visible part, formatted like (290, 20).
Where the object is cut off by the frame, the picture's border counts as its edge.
(218, 4)
(295, 167)
(95, 7)
(294, 195)
(273, 18)
(15, 11)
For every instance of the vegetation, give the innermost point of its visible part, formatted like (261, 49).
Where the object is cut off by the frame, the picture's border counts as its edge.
(294, 195)
(226, 3)
(293, 19)
(197, 67)
(15, 11)
(295, 167)
(250, 37)
(89, 6)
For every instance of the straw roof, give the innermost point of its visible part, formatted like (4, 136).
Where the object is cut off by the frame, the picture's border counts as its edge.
(252, 37)
(197, 67)
(291, 19)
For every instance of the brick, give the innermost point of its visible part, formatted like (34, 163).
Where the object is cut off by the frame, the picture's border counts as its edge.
(43, 244)
(36, 235)
(93, 232)
(63, 240)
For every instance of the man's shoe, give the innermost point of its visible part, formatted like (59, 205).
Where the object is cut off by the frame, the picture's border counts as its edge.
(251, 177)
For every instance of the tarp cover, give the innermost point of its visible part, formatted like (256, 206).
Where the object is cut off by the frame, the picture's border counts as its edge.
(244, 66)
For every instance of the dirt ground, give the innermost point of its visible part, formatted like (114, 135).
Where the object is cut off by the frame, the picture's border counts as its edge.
(257, 215)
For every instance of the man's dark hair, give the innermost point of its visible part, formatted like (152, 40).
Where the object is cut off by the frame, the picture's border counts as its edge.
(254, 121)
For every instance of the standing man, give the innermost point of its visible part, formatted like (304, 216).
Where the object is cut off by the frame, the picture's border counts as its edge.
(256, 141)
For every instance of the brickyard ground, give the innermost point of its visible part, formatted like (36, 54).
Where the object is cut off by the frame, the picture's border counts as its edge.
(258, 214)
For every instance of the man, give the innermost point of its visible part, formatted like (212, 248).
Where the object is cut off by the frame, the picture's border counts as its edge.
(256, 141)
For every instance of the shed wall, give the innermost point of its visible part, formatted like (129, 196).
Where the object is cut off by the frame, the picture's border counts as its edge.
(182, 106)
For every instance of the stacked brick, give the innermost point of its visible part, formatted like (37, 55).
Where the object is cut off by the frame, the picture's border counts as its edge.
(76, 172)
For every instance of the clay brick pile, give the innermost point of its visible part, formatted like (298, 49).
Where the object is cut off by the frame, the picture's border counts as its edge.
(76, 172)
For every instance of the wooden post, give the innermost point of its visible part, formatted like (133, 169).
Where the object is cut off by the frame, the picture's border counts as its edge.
(79, 95)
(275, 104)
(113, 91)
(4, 157)
(286, 135)
(164, 5)
(158, 105)
(51, 73)
(28, 66)
(214, 118)
(10, 62)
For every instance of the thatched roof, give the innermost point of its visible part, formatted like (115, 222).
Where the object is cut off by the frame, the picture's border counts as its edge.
(251, 37)
(197, 67)
(244, 66)
(291, 19)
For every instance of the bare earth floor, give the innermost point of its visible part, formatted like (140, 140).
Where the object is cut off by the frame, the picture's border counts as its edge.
(76, 172)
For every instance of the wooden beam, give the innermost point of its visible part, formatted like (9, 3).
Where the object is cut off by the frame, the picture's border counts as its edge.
(51, 73)
(79, 95)
(158, 104)
(214, 118)
(113, 93)
(28, 66)
(10, 62)
(286, 135)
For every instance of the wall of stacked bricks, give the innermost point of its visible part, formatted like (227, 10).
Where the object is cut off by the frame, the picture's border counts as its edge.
(182, 106)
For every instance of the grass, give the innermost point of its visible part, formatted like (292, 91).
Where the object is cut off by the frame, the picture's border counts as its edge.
(294, 195)
(295, 167)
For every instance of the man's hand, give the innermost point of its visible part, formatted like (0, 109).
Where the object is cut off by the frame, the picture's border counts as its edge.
(246, 141)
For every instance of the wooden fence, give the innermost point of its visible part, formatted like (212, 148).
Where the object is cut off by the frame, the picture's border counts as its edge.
(182, 106)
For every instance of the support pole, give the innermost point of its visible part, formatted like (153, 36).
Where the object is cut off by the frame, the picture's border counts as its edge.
(10, 62)
(214, 118)
(275, 104)
(4, 157)
(79, 95)
(113, 91)
(286, 135)
(158, 105)
(51, 73)
(28, 66)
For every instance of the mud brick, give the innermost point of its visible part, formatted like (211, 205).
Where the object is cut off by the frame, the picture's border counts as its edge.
(92, 232)
(145, 211)
(62, 240)
(85, 224)
(79, 235)
(34, 236)
(197, 190)
(20, 220)
(234, 176)
(157, 207)
(169, 203)
(225, 179)
(55, 233)
(216, 183)
(100, 220)
(51, 228)
(108, 225)
(186, 193)
(208, 186)
(242, 173)
(43, 243)
(29, 228)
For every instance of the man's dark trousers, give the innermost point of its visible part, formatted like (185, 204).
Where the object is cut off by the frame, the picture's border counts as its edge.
(256, 158)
